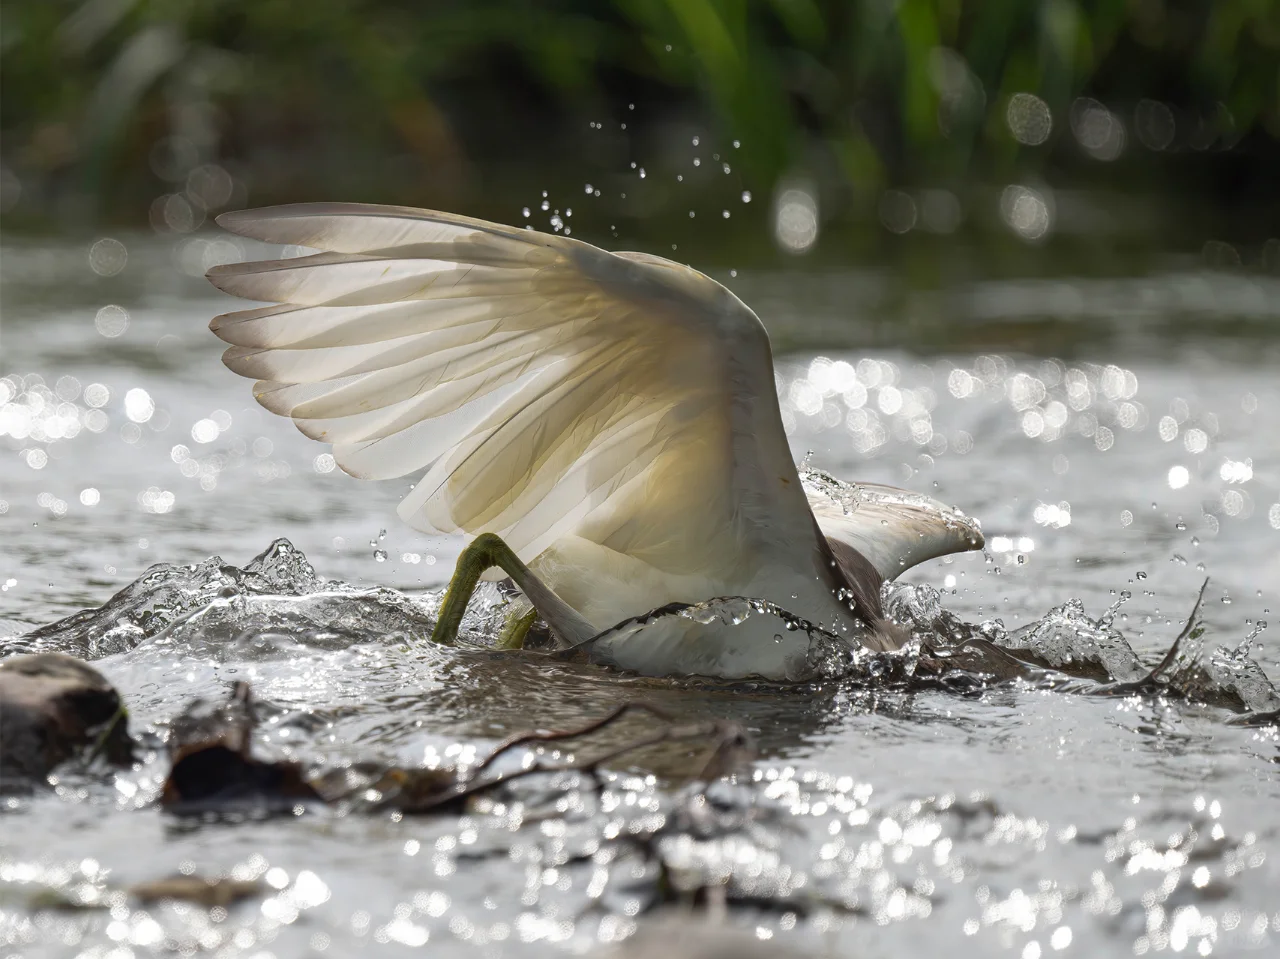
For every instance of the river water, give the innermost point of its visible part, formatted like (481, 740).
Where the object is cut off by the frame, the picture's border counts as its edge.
(1118, 438)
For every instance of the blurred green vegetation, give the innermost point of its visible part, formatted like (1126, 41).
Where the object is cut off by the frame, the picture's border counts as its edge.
(107, 105)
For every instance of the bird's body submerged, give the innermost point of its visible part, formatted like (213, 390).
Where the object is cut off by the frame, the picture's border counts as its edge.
(612, 417)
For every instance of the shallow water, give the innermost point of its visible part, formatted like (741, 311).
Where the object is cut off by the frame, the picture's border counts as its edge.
(1130, 445)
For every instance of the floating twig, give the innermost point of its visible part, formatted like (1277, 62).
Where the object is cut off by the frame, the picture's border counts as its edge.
(1155, 680)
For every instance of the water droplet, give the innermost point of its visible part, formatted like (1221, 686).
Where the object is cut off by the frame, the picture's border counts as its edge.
(1141, 575)
(746, 196)
(380, 555)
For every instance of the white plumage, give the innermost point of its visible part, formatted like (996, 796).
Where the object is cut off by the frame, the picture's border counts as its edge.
(611, 416)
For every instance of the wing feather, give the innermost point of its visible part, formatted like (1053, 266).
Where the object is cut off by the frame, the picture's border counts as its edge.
(316, 327)
(893, 528)
(358, 227)
(549, 388)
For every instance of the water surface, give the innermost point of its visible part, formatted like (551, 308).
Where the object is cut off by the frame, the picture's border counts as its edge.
(1119, 439)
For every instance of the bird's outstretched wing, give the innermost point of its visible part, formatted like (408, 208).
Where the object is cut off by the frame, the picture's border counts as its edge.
(551, 387)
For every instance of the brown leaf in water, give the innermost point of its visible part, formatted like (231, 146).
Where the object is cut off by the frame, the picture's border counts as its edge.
(198, 889)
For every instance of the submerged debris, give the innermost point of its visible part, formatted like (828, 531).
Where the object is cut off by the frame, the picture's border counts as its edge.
(687, 936)
(214, 772)
(212, 769)
(199, 890)
(1227, 680)
(417, 791)
(53, 706)
(204, 891)
(1271, 718)
(1068, 650)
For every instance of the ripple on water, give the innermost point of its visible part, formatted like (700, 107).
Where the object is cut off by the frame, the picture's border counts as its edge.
(798, 853)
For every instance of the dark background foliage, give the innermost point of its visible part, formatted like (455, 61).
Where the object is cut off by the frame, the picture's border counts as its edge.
(1164, 129)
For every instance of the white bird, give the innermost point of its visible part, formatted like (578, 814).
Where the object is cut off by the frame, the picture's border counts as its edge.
(608, 421)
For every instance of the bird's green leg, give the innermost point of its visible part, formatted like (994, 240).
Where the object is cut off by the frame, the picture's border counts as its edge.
(516, 629)
(488, 550)
(472, 562)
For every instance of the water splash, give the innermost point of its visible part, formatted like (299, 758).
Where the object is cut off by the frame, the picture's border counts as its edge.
(1073, 645)
(726, 637)
(277, 603)
(274, 601)
(1067, 639)
(1227, 677)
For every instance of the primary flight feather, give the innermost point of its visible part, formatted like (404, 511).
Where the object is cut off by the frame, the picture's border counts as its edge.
(612, 417)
